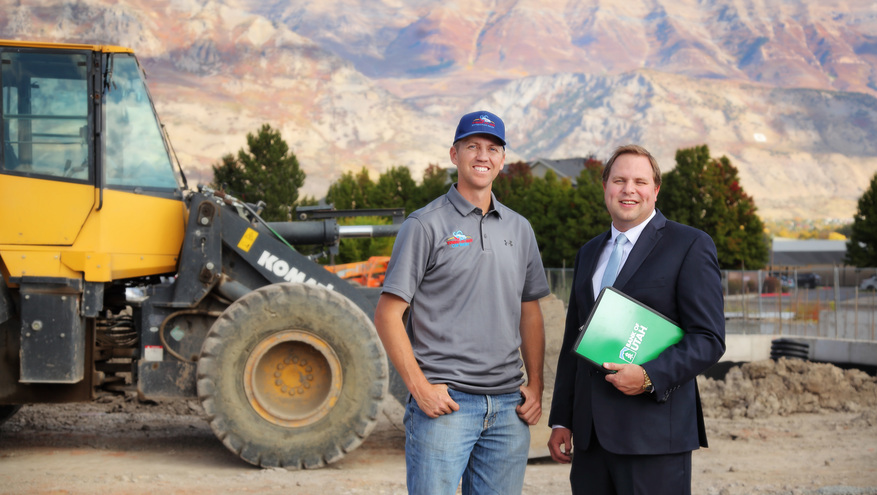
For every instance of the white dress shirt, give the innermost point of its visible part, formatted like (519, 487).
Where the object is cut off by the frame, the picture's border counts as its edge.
(632, 235)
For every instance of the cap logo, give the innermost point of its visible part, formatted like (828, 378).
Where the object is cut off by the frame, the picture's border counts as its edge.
(484, 120)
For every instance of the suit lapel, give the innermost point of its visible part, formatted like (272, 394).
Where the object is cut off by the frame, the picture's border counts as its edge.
(647, 241)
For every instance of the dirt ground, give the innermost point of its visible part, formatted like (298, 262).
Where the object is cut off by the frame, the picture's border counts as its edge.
(775, 427)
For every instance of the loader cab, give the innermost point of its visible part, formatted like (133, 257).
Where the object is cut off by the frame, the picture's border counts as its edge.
(84, 165)
(55, 109)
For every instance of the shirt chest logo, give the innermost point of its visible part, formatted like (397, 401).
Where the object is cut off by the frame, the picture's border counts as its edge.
(458, 239)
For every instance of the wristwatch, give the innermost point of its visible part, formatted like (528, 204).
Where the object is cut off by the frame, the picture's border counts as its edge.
(647, 383)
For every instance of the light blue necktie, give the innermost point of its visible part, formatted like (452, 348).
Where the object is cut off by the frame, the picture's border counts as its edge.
(614, 262)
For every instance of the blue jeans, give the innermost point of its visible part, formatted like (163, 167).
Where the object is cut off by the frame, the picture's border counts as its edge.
(485, 443)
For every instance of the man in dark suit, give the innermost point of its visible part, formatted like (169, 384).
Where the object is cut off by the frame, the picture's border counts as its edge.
(634, 427)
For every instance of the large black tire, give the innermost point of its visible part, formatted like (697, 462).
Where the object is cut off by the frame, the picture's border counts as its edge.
(7, 411)
(293, 376)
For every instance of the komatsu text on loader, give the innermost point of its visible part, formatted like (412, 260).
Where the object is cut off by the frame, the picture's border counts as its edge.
(117, 278)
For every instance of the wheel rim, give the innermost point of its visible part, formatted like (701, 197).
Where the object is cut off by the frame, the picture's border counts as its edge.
(293, 378)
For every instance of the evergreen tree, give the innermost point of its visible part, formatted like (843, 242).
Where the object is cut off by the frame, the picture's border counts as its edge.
(267, 172)
(229, 177)
(706, 193)
(862, 244)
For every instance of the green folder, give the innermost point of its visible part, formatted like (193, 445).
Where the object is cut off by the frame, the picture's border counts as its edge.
(622, 330)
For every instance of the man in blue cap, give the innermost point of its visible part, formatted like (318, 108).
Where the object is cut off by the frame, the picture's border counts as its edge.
(469, 268)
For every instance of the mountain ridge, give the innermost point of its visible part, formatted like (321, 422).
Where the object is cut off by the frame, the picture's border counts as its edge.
(354, 86)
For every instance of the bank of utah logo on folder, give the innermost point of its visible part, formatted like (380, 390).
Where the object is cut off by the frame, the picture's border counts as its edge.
(622, 330)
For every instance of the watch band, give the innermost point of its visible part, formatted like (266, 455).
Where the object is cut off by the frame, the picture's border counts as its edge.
(647, 382)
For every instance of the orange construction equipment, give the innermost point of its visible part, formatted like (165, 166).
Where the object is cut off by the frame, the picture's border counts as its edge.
(368, 273)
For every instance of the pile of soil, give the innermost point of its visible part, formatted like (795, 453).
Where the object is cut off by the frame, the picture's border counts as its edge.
(787, 386)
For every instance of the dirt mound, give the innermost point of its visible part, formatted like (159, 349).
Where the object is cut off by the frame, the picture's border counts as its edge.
(786, 386)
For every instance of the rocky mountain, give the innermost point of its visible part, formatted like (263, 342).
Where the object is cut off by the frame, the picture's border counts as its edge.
(799, 151)
(786, 89)
(826, 44)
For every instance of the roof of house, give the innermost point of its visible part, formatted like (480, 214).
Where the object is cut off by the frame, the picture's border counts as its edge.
(567, 167)
(793, 252)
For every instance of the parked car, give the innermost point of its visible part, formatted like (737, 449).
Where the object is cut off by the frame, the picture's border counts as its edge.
(786, 282)
(809, 280)
(869, 283)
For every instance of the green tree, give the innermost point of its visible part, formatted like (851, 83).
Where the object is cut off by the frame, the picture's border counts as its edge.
(862, 243)
(351, 192)
(267, 172)
(588, 216)
(229, 176)
(572, 215)
(705, 193)
(436, 182)
(563, 216)
(510, 184)
(546, 204)
(395, 188)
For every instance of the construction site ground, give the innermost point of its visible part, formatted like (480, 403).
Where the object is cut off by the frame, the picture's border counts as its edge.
(775, 427)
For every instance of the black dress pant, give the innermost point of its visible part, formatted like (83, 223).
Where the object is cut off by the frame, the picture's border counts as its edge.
(595, 471)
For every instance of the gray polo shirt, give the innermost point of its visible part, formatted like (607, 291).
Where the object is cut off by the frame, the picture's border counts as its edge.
(465, 276)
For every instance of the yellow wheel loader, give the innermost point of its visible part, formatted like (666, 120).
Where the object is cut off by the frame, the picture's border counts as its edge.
(116, 277)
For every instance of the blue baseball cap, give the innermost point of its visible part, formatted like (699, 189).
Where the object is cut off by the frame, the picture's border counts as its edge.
(481, 122)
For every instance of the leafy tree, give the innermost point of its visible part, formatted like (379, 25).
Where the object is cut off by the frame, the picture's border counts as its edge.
(436, 182)
(267, 172)
(509, 185)
(862, 243)
(573, 215)
(706, 193)
(395, 188)
(546, 204)
(563, 217)
(588, 216)
(308, 201)
(351, 191)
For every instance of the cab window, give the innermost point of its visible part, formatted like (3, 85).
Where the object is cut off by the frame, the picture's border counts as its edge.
(44, 115)
(136, 155)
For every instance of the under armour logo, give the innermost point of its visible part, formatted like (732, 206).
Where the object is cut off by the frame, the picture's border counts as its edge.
(509, 243)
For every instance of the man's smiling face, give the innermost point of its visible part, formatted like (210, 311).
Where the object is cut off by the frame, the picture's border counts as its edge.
(630, 192)
(479, 159)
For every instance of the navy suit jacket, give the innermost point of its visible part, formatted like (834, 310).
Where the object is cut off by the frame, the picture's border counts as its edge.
(673, 269)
